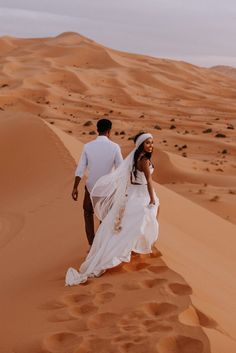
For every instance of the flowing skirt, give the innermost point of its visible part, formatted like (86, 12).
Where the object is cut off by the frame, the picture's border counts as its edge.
(139, 231)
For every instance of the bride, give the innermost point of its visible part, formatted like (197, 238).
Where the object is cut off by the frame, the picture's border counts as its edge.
(127, 205)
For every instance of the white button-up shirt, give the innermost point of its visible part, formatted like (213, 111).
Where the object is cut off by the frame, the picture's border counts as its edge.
(99, 157)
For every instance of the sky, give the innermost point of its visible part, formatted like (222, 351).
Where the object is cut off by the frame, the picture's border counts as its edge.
(202, 32)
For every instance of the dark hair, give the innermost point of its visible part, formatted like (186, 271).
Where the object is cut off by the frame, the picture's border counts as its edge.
(103, 125)
(137, 153)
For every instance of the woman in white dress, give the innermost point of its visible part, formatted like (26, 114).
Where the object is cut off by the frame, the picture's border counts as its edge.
(127, 205)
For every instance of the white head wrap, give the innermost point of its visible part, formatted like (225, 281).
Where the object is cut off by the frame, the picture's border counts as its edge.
(108, 195)
(142, 138)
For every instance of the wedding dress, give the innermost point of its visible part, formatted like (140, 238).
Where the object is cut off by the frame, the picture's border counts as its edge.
(137, 230)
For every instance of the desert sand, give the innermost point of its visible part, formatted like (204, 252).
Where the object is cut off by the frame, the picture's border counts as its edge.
(180, 299)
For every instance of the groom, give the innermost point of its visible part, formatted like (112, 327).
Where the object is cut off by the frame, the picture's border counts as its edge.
(98, 157)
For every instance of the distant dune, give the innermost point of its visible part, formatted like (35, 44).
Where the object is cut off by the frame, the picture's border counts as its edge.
(180, 299)
(226, 70)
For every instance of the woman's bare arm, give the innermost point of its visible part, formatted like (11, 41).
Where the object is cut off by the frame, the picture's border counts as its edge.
(144, 165)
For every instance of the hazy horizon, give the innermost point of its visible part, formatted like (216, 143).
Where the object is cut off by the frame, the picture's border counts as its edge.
(202, 33)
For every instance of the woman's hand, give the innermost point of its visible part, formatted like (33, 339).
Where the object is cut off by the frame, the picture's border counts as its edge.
(151, 203)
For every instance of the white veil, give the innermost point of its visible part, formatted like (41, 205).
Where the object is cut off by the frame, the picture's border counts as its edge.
(109, 193)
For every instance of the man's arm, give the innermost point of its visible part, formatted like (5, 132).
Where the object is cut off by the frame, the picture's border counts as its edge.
(75, 188)
(82, 165)
(118, 157)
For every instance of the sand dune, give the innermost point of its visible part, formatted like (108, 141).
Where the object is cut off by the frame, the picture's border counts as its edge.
(70, 79)
(225, 70)
(179, 300)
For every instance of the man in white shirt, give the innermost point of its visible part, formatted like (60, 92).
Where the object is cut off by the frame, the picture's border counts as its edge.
(99, 157)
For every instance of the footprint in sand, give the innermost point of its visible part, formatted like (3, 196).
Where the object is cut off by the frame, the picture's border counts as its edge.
(97, 344)
(52, 305)
(132, 329)
(79, 325)
(122, 338)
(180, 289)
(132, 267)
(132, 318)
(151, 283)
(140, 347)
(180, 344)
(102, 298)
(62, 342)
(61, 317)
(160, 309)
(152, 326)
(103, 287)
(73, 299)
(158, 269)
(131, 285)
(99, 321)
(82, 310)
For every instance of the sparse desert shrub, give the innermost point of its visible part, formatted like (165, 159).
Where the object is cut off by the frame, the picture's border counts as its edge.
(92, 132)
(220, 135)
(232, 192)
(157, 127)
(88, 123)
(200, 191)
(172, 127)
(207, 131)
(215, 198)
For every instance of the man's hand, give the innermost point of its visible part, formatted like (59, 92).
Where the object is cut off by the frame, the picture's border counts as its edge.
(75, 188)
(75, 194)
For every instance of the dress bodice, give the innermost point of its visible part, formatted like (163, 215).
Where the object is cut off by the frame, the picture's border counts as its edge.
(141, 179)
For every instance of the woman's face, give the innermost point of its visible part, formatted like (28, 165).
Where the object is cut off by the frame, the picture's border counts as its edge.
(148, 145)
